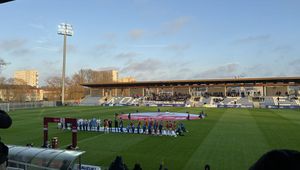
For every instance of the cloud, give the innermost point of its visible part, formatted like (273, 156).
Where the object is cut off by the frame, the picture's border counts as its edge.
(149, 46)
(70, 49)
(126, 56)
(15, 47)
(107, 68)
(136, 34)
(54, 66)
(101, 49)
(258, 70)
(152, 69)
(110, 36)
(52, 49)
(104, 47)
(11, 45)
(253, 39)
(38, 26)
(53, 69)
(175, 26)
(283, 49)
(148, 65)
(177, 47)
(294, 67)
(22, 52)
(227, 70)
(295, 63)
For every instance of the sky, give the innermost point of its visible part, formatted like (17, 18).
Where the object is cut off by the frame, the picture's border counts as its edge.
(154, 39)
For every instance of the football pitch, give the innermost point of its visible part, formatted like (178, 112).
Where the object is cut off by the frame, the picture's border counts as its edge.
(228, 139)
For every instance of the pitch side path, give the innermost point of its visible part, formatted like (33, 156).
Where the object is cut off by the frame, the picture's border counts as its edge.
(226, 139)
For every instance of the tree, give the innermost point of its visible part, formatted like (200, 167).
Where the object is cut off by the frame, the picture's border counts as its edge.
(53, 82)
(75, 90)
(2, 80)
(2, 64)
(84, 76)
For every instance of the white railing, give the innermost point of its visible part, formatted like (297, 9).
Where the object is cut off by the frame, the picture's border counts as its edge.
(26, 105)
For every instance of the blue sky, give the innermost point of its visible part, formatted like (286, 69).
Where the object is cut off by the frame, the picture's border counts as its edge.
(154, 39)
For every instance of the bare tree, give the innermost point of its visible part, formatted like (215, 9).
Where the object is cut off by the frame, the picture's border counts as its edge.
(53, 82)
(74, 90)
(2, 80)
(2, 64)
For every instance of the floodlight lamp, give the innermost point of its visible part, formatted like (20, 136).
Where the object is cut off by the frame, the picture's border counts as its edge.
(65, 29)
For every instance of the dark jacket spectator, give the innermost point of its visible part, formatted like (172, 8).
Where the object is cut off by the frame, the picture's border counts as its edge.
(278, 160)
(5, 120)
(118, 164)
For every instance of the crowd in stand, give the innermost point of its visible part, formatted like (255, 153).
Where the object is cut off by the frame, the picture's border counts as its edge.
(168, 97)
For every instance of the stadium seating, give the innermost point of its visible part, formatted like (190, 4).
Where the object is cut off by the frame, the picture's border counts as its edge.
(203, 101)
(125, 100)
(244, 101)
(230, 100)
(268, 101)
(286, 101)
(90, 101)
(209, 101)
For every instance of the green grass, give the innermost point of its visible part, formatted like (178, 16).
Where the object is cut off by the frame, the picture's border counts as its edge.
(229, 139)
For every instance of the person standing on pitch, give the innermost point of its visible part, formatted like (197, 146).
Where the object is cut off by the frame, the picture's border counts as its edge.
(121, 125)
(132, 127)
(129, 116)
(144, 126)
(155, 127)
(150, 127)
(116, 125)
(167, 127)
(160, 127)
(139, 126)
(110, 125)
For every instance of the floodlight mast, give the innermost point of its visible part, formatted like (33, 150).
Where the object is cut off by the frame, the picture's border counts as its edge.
(65, 30)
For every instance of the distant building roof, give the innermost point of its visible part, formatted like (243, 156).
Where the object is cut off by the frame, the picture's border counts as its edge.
(203, 82)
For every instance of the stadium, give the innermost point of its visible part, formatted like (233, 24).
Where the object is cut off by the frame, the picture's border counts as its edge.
(275, 92)
(244, 119)
(149, 85)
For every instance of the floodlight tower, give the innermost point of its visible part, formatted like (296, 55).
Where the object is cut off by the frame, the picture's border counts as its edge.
(65, 30)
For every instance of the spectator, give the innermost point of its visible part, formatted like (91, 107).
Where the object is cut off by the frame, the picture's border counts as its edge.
(278, 160)
(3, 155)
(137, 167)
(118, 164)
(5, 120)
(161, 166)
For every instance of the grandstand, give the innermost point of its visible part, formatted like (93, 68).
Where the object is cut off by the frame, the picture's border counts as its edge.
(244, 101)
(242, 92)
(90, 101)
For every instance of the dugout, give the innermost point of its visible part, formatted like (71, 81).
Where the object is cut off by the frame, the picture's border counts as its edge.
(31, 158)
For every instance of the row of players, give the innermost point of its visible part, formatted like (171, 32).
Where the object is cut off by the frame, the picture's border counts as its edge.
(147, 126)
